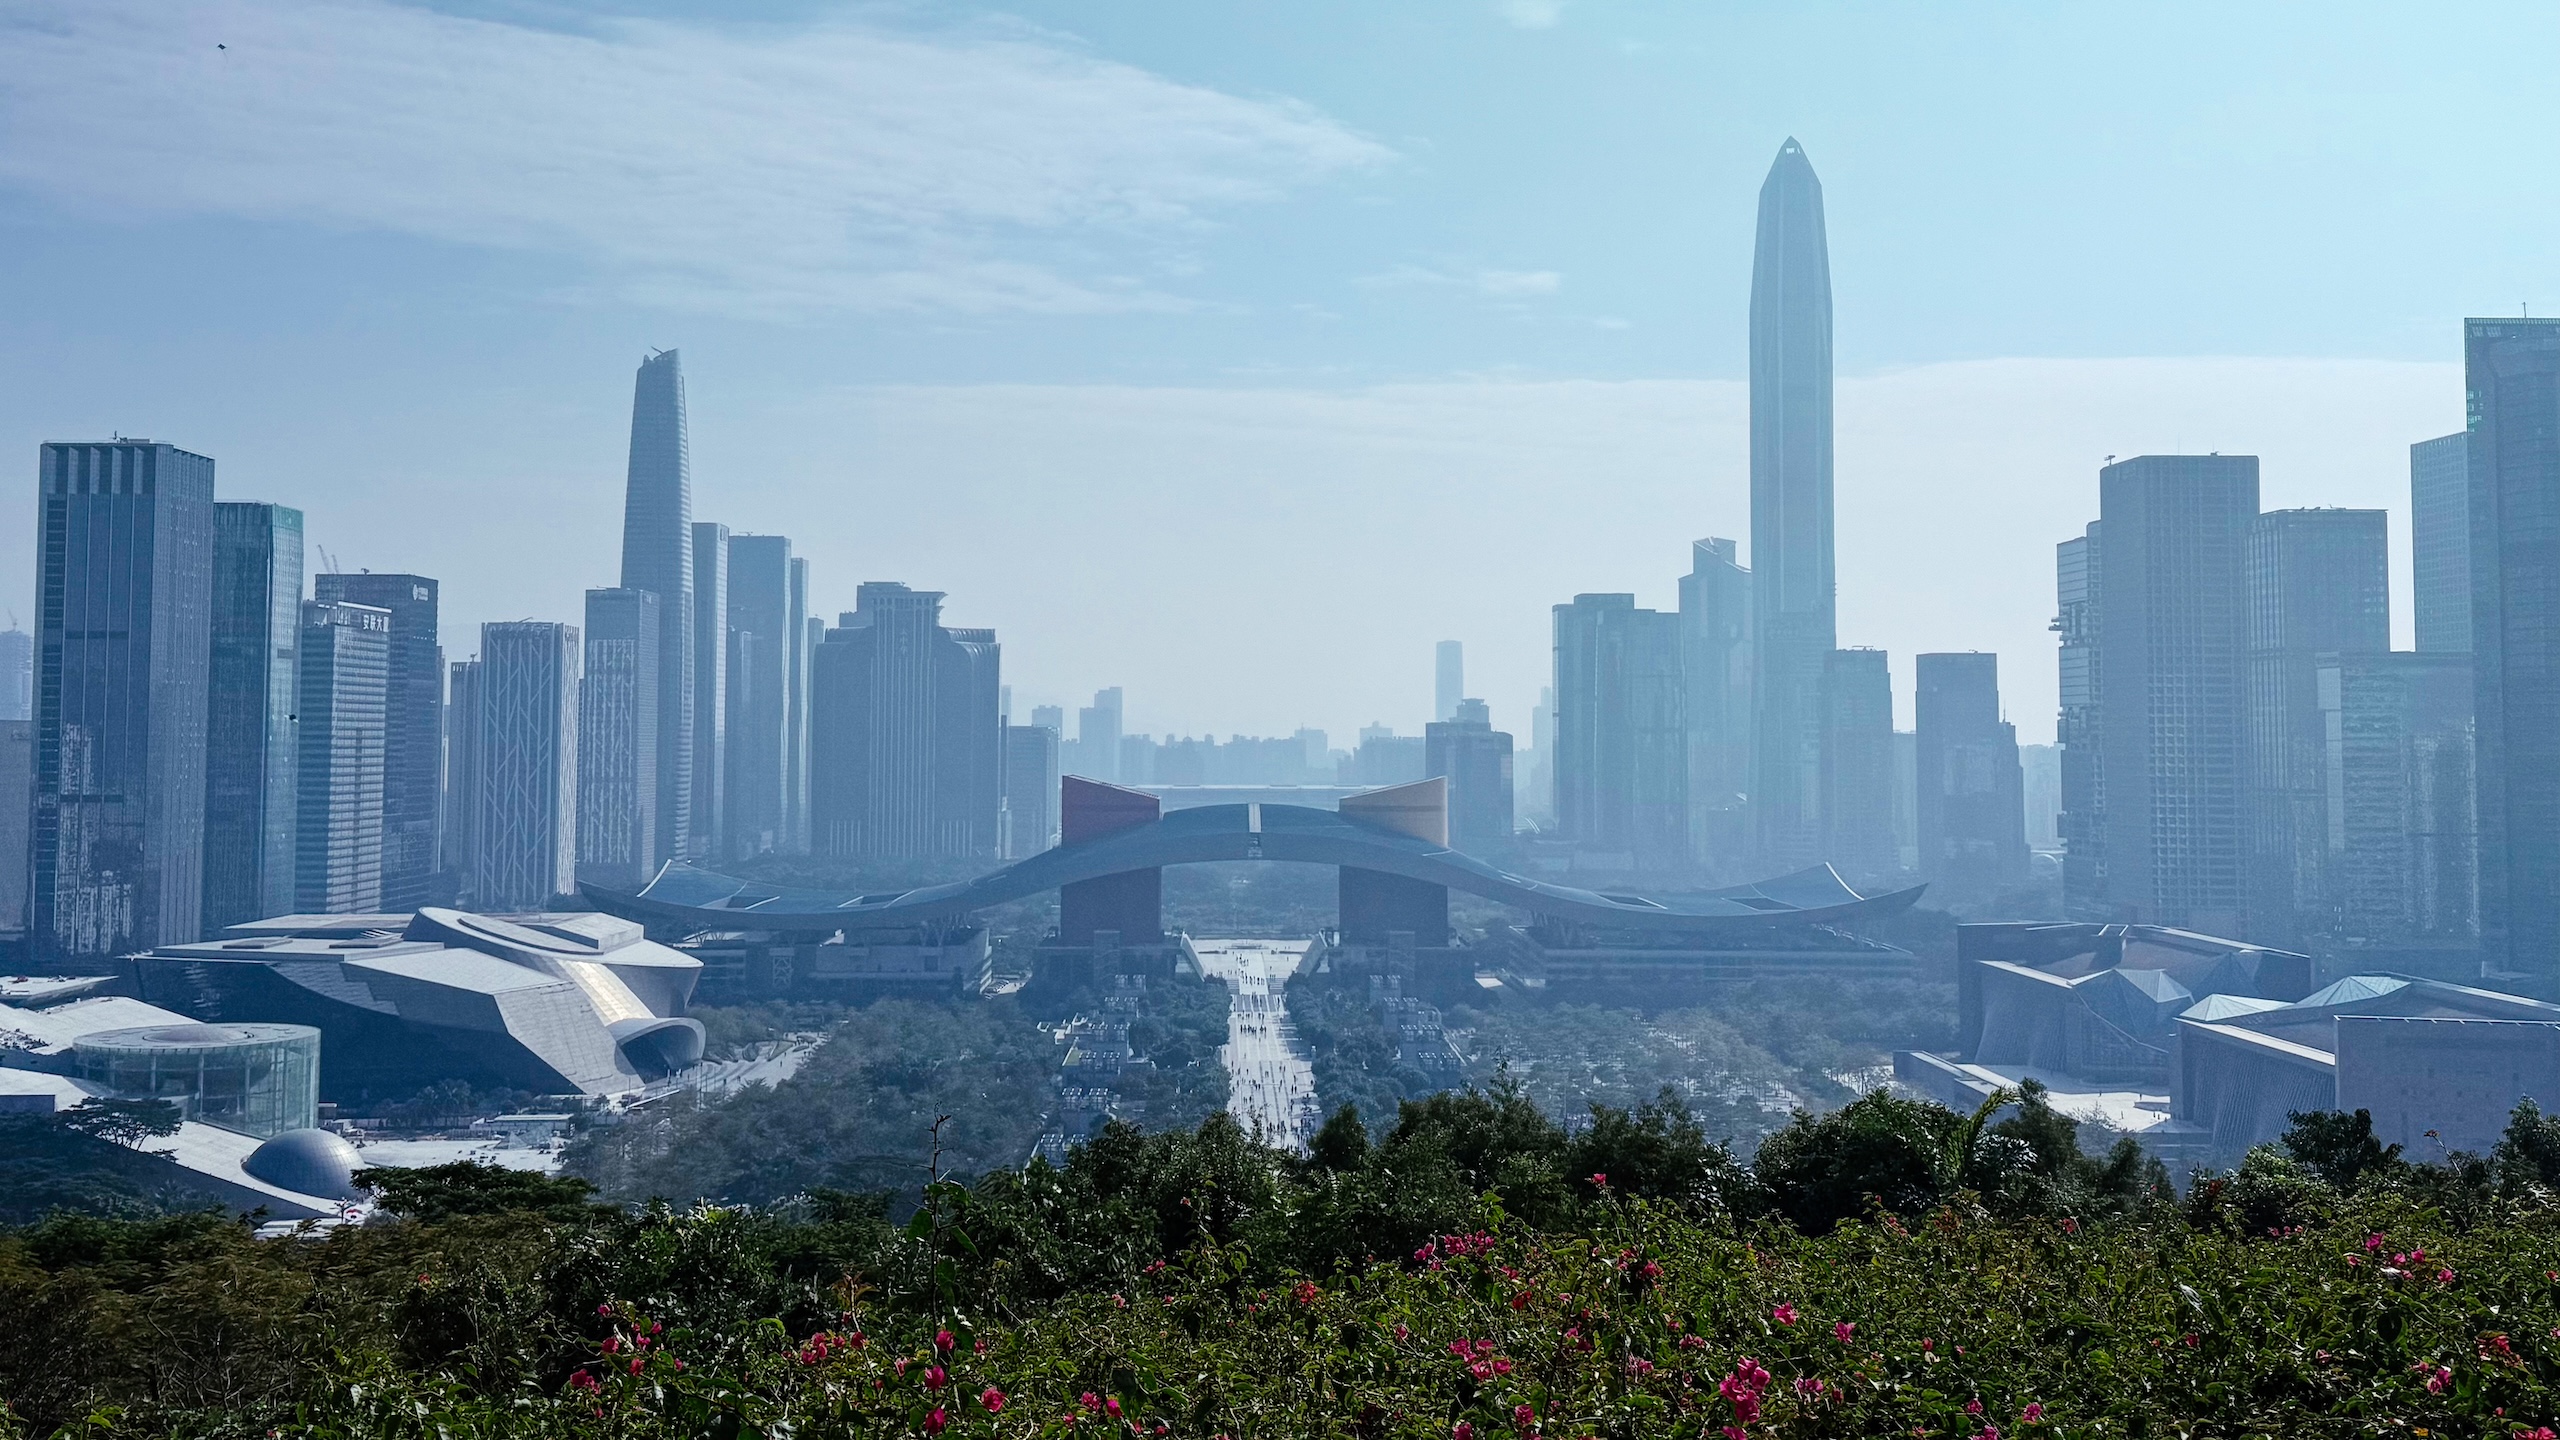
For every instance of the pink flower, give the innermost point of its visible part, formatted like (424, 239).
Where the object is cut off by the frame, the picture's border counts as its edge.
(1090, 1401)
(943, 1342)
(2444, 1277)
(604, 1309)
(1784, 1314)
(1462, 1431)
(992, 1398)
(1600, 1179)
(2372, 1243)
(1120, 1301)
(1973, 1406)
(1987, 1432)
(935, 1377)
(635, 1364)
(1401, 1332)
(1306, 1292)
(1842, 1331)
(1481, 1370)
(1808, 1386)
(2033, 1414)
(1652, 1271)
(613, 1344)
(583, 1381)
(1524, 1415)
(934, 1421)
(1111, 1407)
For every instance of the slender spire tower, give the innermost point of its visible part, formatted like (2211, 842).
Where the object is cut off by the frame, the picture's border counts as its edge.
(657, 556)
(1793, 618)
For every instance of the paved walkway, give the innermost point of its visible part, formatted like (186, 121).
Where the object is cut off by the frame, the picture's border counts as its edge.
(1268, 1082)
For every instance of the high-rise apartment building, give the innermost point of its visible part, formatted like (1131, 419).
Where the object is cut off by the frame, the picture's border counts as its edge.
(618, 735)
(17, 674)
(2318, 584)
(908, 762)
(527, 759)
(1794, 622)
(763, 633)
(1715, 639)
(1097, 753)
(17, 771)
(1535, 798)
(17, 782)
(2041, 768)
(459, 845)
(2081, 821)
(344, 689)
(2401, 857)
(2512, 383)
(1970, 790)
(124, 641)
(2440, 543)
(1622, 746)
(1030, 787)
(252, 697)
(1475, 758)
(2173, 640)
(795, 737)
(657, 556)
(412, 768)
(1859, 773)
(710, 621)
(1448, 679)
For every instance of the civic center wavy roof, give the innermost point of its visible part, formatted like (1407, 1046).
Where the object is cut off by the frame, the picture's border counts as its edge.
(684, 894)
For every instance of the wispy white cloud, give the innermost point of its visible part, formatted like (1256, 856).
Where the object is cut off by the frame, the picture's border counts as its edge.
(771, 170)
(1532, 14)
(1507, 284)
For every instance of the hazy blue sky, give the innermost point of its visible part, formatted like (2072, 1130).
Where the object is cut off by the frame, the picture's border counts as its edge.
(1237, 353)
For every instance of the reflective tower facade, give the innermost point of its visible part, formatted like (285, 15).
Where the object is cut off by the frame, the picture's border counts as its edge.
(1794, 622)
(250, 766)
(413, 727)
(657, 556)
(124, 641)
(2512, 380)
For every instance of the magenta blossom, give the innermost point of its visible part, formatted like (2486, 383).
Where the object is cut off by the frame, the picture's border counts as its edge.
(1842, 1331)
(1784, 1314)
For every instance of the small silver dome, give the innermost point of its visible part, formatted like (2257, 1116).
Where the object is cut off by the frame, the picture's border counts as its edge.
(314, 1162)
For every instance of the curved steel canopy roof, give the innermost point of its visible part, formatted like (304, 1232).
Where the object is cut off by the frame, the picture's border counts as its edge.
(682, 894)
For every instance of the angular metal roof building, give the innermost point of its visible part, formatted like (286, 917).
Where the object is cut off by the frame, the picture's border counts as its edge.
(554, 1004)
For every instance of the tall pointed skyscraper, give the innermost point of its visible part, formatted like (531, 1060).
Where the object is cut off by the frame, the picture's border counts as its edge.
(657, 556)
(1793, 618)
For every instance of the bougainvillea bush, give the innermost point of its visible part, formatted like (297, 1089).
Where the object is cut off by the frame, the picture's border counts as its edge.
(2372, 1300)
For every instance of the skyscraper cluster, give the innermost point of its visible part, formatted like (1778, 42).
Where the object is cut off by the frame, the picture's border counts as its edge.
(202, 743)
(199, 739)
(701, 713)
(2243, 751)
(1737, 738)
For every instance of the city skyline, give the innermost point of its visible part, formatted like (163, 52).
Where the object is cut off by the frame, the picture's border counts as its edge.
(1544, 381)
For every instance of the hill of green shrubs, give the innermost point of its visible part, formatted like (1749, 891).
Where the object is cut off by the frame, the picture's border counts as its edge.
(1472, 1271)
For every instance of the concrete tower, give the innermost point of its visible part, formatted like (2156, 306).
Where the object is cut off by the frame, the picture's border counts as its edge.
(1794, 622)
(657, 556)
